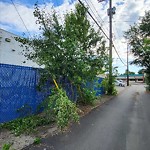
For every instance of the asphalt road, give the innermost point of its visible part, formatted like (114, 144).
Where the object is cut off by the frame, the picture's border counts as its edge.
(123, 123)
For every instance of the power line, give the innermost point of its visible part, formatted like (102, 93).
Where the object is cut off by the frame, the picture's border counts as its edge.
(117, 51)
(89, 15)
(97, 13)
(94, 13)
(119, 21)
(20, 17)
(103, 32)
(94, 20)
(118, 54)
(94, 9)
(112, 41)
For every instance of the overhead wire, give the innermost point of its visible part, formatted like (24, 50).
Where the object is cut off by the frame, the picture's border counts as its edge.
(98, 15)
(20, 17)
(103, 32)
(118, 55)
(91, 9)
(112, 41)
(96, 12)
(119, 21)
(61, 18)
(94, 20)
(117, 51)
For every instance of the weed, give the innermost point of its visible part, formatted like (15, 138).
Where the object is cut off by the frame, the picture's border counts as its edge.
(6, 146)
(63, 108)
(25, 125)
(37, 141)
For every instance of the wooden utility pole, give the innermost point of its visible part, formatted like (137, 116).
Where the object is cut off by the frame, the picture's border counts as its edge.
(127, 66)
(110, 90)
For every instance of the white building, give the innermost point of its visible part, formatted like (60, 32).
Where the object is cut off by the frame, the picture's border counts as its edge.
(11, 52)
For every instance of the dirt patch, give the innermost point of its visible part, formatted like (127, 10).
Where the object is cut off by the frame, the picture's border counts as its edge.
(84, 110)
(18, 142)
(147, 92)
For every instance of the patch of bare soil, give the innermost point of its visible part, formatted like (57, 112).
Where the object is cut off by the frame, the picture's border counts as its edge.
(85, 109)
(17, 142)
(147, 91)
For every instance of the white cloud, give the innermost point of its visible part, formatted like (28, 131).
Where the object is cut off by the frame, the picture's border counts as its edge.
(11, 21)
(9, 17)
(127, 13)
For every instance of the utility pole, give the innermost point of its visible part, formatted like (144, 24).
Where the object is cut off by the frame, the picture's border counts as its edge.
(127, 66)
(110, 89)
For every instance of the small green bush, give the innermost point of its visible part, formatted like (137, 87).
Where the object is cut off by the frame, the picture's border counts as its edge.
(106, 86)
(6, 146)
(87, 97)
(147, 80)
(64, 109)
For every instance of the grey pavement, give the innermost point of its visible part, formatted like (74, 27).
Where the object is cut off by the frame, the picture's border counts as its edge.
(120, 89)
(122, 123)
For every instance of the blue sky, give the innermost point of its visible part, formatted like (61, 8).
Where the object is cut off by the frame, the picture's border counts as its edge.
(30, 3)
(127, 12)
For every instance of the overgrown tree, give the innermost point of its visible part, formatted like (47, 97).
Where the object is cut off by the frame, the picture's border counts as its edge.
(89, 53)
(139, 38)
(73, 50)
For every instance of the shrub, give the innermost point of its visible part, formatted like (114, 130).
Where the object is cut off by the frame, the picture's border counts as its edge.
(147, 80)
(106, 85)
(63, 109)
(87, 96)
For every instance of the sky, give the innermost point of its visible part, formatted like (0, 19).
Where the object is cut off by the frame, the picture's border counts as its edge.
(19, 19)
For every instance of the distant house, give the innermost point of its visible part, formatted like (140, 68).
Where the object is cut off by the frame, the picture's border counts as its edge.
(132, 77)
(11, 52)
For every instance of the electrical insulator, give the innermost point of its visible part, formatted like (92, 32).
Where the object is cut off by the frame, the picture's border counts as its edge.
(113, 11)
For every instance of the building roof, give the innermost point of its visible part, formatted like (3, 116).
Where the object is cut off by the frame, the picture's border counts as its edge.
(132, 75)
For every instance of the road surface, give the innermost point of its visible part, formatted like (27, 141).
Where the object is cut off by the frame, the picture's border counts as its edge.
(122, 123)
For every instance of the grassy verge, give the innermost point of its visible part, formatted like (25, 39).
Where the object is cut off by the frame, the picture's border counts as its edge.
(25, 125)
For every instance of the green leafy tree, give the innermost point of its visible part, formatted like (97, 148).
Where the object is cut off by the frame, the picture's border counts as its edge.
(139, 39)
(87, 47)
(73, 50)
(141, 71)
(130, 72)
(64, 50)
